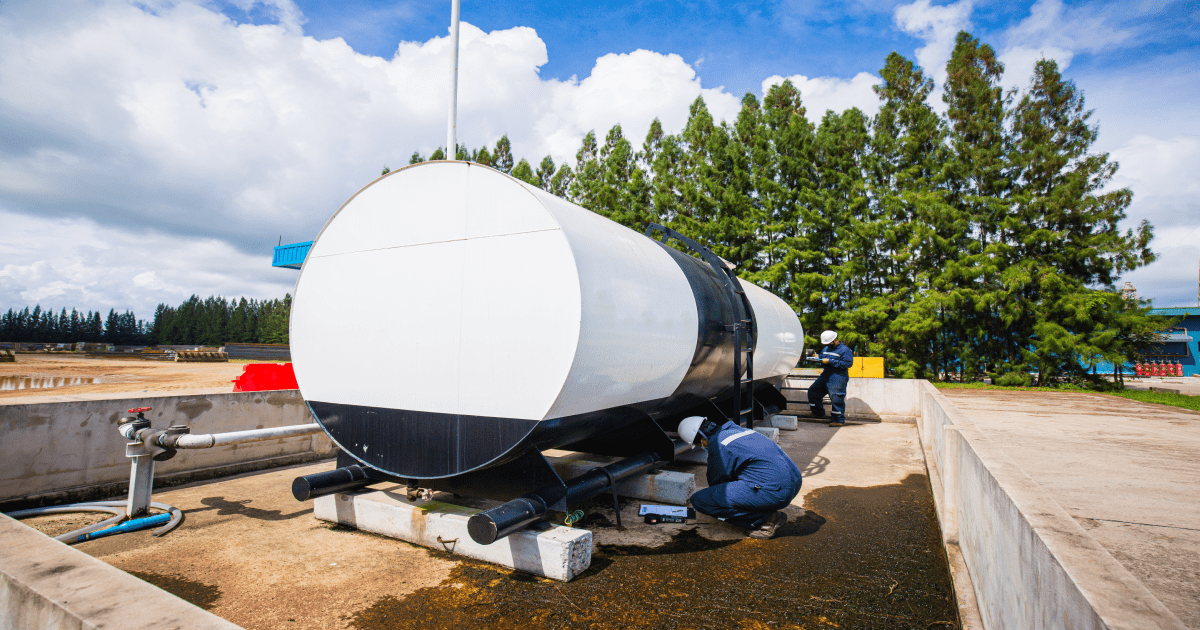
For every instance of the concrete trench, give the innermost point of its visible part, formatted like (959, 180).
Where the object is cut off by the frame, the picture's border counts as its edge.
(914, 522)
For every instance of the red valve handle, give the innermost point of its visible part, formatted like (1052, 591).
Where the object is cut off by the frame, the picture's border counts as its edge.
(139, 410)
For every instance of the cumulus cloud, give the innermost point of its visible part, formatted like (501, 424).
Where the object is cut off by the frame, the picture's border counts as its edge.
(821, 94)
(1053, 31)
(77, 263)
(167, 117)
(937, 26)
(1161, 174)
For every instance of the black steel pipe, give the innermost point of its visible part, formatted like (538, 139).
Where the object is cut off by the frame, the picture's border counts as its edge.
(493, 524)
(330, 482)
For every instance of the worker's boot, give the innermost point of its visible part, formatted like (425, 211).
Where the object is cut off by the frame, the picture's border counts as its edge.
(838, 422)
(769, 526)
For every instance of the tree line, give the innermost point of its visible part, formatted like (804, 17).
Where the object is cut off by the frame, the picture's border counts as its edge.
(38, 326)
(213, 321)
(975, 242)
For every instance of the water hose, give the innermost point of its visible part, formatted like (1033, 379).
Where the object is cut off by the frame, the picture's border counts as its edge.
(136, 524)
(112, 507)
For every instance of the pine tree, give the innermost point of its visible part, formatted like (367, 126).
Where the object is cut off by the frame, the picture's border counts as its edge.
(502, 157)
(545, 173)
(524, 172)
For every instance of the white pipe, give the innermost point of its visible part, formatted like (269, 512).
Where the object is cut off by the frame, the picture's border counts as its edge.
(210, 440)
(452, 116)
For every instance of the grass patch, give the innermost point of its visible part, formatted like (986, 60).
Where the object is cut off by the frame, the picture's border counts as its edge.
(1015, 388)
(1182, 401)
(1160, 398)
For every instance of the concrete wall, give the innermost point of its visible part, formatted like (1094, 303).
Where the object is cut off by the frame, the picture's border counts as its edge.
(53, 452)
(883, 399)
(46, 584)
(1030, 564)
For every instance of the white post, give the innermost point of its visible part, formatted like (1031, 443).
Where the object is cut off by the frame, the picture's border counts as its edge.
(451, 120)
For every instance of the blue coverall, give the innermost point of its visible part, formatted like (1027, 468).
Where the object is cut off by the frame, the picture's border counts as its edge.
(749, 477)
(833, 381)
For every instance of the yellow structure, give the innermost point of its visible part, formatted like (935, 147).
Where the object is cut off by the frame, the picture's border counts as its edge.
(867, 367)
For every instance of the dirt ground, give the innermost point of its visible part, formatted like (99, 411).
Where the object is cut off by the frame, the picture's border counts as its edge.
(112, 376)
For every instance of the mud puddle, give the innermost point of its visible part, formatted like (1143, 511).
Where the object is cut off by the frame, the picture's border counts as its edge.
(859, 558)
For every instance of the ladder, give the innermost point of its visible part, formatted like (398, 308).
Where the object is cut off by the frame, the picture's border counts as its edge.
(742, 327)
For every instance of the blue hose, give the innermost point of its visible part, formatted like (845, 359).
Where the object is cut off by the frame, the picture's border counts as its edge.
(128, 526)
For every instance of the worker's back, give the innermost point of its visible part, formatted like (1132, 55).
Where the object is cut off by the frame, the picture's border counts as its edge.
(737, 453)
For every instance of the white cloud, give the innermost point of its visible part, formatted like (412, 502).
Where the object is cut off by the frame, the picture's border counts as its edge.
(76, 263)
(831, 93)
(1053, 31)
(938, 26)
(1161, 174)
(168, 116)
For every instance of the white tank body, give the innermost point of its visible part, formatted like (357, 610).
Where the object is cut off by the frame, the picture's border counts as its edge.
(447, 310)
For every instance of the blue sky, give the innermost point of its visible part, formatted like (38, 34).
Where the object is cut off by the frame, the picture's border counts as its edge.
(169, 144)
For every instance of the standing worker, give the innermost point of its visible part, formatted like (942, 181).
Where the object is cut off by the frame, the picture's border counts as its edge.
(749, 477)
(836, 359)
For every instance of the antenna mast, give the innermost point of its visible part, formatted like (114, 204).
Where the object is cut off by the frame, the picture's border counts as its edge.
(452, 116)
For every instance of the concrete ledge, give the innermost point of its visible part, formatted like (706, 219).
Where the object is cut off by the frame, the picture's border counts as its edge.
(558, 553)
(660, 486)
(46, 584)
(1030, 564)
(71, 450)
(879, 399)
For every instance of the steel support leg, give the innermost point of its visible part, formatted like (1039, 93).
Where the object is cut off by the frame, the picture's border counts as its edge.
(141, 486)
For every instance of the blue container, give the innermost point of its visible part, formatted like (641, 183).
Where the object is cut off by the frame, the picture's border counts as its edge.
(291, 256)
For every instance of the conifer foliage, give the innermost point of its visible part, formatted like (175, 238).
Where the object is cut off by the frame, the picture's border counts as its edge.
(981, 241)
(213, 321)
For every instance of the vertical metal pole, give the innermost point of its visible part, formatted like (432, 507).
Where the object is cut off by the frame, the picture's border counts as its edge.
(141, 486)
(452, 116)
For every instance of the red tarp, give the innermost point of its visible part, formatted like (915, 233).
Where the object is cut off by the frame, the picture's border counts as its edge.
(261, 377)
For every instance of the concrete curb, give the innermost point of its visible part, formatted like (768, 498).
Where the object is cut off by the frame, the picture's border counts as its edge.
(46, 584)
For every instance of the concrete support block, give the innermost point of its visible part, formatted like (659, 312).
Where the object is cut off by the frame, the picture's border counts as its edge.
(780, 421)
(771, 433)
(558, 553)
(660, 486)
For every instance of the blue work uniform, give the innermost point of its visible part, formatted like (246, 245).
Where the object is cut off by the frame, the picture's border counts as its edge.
(749, 477)
(832, 381)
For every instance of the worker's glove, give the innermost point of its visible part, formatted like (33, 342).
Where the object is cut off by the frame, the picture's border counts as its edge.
(826, 361)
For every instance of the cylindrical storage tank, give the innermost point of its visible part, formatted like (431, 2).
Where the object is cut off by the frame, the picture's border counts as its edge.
(449, 316)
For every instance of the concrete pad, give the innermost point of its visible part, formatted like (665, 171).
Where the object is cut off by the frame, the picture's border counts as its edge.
(558, 553)
(660, 486)
(856, 455)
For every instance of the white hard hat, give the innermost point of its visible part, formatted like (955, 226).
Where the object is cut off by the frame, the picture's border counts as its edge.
(689, 427)
(828, 336)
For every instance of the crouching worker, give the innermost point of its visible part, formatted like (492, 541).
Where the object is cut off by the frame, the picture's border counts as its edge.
(750, 479)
